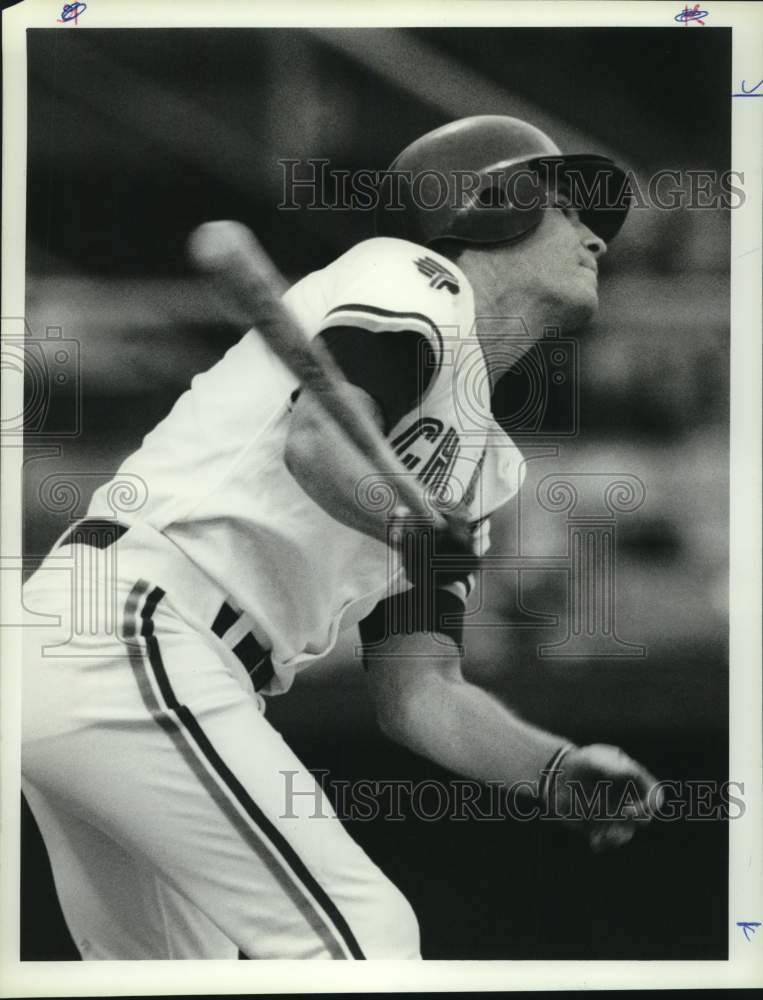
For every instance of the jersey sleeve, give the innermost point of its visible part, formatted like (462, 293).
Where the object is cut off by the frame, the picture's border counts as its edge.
(386, 306)
(396, 369)
(439, 611)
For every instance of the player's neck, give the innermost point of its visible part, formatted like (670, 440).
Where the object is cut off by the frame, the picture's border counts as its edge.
(525, 317)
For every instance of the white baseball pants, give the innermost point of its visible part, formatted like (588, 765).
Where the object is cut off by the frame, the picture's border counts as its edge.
(159, 788)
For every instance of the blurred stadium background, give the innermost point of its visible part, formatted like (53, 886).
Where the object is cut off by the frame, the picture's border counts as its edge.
(135, 137)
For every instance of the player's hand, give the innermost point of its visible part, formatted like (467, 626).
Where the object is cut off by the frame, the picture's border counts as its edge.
(432, 554)
(603, 795)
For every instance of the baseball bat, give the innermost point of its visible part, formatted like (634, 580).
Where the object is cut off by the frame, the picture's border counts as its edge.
(230, 253)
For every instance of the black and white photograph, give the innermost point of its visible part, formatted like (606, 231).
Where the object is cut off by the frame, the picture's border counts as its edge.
(381, 529)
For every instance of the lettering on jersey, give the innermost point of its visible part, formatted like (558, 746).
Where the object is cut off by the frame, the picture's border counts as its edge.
(427, 427)
(439, 276)
(439, 466)
(436, 472)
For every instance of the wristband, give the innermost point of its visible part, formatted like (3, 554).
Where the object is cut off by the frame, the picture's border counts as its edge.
(550, 771)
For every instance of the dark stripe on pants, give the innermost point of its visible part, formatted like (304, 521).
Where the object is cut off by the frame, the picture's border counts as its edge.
(189, 727)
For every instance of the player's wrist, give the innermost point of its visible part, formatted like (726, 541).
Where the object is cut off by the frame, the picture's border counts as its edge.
(549, 777)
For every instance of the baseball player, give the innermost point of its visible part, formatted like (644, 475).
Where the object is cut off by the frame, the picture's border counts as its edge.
(156, 780)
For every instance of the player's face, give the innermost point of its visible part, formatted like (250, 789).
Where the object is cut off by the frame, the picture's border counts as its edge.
(556, 265)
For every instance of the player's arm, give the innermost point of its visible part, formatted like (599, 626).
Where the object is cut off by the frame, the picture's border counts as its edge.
(385, 376)
(424, 702)
(328, 467)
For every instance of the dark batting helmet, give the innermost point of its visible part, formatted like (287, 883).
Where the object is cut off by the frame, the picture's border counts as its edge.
(486, 179)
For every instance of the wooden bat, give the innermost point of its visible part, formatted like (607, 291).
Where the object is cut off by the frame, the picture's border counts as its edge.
(231, 254)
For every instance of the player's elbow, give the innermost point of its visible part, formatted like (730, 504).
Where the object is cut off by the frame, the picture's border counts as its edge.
(409, 694)
(407, 717)
(401, 723)
(391, 711)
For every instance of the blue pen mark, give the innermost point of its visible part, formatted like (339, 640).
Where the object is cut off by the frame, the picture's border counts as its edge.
(687, 16)
(749, 927)
(744, 92)
(71, 11)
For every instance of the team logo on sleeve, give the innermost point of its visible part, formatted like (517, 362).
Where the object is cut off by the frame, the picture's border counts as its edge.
(439, 276)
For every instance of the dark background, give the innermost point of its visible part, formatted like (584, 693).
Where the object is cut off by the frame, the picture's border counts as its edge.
(135, 137)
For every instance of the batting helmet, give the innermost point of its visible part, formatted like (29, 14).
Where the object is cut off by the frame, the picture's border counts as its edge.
(486, 179)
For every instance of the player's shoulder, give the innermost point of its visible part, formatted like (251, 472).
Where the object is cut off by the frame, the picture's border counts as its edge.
(396, 274)
(418, 265)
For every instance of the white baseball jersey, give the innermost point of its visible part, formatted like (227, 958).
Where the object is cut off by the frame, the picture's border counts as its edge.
(214, 468)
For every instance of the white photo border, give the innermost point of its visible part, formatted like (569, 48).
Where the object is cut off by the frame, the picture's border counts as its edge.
(745, 964)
